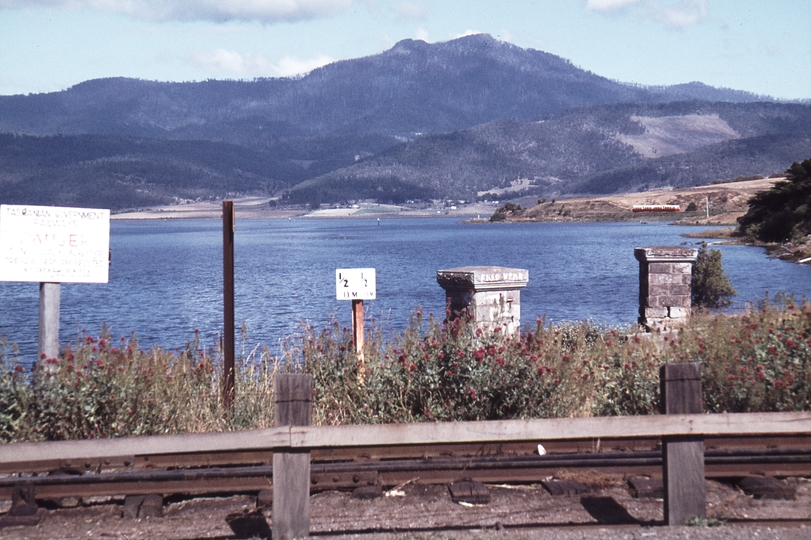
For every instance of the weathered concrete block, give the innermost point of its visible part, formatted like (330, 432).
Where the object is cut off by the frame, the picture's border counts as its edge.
(658, 280)
(679, 290)
(659, 268)
(655, 312)
(678, 313)
(670, 301)
(674, 268)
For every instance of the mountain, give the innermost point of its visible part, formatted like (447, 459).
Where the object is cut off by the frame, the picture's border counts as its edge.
(602, 149)
(414, 87)
(325, 131)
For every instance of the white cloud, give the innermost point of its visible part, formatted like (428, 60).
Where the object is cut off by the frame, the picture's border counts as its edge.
(215, 10)
(411, 10)
(678, 14)
(224, 63)
(421, 33)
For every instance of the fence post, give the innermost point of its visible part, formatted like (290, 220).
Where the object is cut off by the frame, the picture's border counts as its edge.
(683, 457)
(292, 404)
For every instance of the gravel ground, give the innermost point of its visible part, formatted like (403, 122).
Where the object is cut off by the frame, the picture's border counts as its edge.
(427, 512)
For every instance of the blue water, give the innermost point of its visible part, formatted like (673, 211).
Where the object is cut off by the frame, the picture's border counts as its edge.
(166, 276)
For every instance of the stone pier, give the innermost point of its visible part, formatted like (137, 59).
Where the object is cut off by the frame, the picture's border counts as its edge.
(665, 274)
(490, 295)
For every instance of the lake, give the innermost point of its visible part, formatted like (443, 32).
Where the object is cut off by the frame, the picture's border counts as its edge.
(166, 276)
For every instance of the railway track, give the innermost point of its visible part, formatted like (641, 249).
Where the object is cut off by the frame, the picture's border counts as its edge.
(348, 468)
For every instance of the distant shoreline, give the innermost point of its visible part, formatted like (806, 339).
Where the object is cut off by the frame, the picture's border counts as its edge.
(727, 202)
(251, 208)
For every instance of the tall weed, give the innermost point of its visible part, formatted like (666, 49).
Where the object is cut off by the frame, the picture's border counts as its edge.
(431, 371)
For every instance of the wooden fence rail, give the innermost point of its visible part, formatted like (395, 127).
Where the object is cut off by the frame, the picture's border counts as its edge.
(21, 456)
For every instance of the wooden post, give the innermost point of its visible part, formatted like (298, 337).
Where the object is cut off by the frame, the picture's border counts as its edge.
(292, 403)
(683, 457)
(228, 389)
(358, 336)
(49, 319)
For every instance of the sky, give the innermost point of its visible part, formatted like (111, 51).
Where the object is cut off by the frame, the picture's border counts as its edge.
(761, 46)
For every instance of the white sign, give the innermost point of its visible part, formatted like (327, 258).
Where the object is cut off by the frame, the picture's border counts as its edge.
(54, 245)
(355, 284)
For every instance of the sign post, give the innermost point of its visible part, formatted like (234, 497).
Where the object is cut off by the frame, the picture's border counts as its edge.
(53, 245)
(356, 284)
(49, 301)
(228, 226)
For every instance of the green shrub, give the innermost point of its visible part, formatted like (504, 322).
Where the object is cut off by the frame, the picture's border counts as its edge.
(710, 285)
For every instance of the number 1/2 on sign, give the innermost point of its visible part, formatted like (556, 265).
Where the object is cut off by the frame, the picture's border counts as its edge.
(355, 284)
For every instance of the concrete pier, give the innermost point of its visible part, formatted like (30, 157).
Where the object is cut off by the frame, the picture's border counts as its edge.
(490, 295)
(665, 274)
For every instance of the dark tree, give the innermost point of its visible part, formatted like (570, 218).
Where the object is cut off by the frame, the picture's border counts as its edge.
(784, 211)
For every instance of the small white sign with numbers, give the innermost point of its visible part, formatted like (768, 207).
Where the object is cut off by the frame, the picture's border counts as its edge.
(355, 284)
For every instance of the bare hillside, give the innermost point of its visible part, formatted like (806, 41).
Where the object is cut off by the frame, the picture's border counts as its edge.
(727, 202)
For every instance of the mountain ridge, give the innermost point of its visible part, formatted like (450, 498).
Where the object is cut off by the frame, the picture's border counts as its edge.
(304, 137)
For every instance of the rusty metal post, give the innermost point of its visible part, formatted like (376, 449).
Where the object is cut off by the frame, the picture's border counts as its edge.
(228, 389)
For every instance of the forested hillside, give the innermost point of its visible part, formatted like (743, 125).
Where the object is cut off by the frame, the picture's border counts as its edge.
(116, 172)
